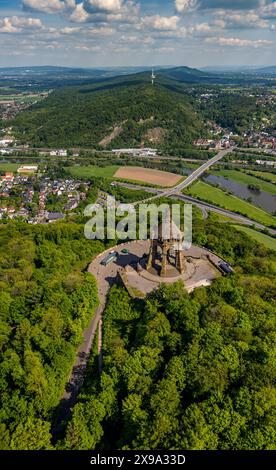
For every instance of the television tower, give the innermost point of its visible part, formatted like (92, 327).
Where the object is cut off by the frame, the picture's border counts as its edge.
(153, 77)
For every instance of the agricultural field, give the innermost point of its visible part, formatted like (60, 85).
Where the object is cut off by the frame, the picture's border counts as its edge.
(93, 171)
(147, 175)
(7, 94)
(12, 167)
(266, 240)
(135, 174)
(218, 197)
(246, 179)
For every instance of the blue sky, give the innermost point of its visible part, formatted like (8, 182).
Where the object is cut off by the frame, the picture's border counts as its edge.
(98, 33)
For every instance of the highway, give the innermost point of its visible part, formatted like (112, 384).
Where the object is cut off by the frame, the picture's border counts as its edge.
(203, 206)
(232, 215)
(192, 177)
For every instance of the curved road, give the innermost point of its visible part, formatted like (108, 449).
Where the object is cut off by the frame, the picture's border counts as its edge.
(239, 218)
(191, 178)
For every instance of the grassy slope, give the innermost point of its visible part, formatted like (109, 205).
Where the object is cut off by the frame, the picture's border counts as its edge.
(267, 241)
(246, 179)
(215, 196)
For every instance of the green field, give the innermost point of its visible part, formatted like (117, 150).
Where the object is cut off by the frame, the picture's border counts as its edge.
(244, 178)
(5, 89)
(267, 241)
(217, 197)
(86, 172)
(9, 166)
(265, 174)
(27, 99)
(93, 171)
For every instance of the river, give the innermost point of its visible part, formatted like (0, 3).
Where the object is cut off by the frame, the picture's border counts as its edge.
(259, 198)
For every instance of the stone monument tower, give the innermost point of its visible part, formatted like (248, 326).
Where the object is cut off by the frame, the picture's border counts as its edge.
(166, 255)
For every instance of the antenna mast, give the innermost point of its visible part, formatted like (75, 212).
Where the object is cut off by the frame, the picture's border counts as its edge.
(153, 77)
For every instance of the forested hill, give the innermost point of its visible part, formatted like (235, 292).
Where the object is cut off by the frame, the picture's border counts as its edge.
(123, 112)
(188, 75)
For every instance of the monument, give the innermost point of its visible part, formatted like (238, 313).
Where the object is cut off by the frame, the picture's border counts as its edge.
(166, 256)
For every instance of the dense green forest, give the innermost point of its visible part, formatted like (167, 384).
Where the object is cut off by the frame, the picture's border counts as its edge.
(180, 371)
(46, 300)
(83, 116)
(187, 371)
(128, 111)
(237, 112)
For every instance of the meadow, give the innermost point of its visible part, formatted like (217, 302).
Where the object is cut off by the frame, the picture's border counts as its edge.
(264, 174)
(246, 179)
(218, 197)
(12, 167)
(93, 171)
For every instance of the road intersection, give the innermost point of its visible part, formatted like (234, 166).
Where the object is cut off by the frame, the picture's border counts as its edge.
(192, 177)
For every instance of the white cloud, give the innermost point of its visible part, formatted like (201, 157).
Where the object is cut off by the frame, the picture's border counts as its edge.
(189, 5)
(102, 6)
(48, 6)
(69, 30)
(160, 23)
(200, 28)
(105, 11)
(99, 31)
(219, 23)
(84, 25)
(237, 42)
(242, 20)
(185, 5)
(79, 14)
(268, 11)
(16, 24)
(88, 48)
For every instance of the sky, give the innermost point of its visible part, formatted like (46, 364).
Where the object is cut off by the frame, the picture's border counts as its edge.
(101, 33)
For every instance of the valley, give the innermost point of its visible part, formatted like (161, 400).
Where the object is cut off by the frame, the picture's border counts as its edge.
(82, 349)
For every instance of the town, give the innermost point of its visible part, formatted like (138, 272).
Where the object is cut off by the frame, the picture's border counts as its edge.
(31, 197)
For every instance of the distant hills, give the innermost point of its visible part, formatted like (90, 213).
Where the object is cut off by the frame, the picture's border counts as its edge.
(125, 110)
(227, 76)
(186, 74)
(48, 77)
(268, 70)
(52, 77)
(250, 70)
